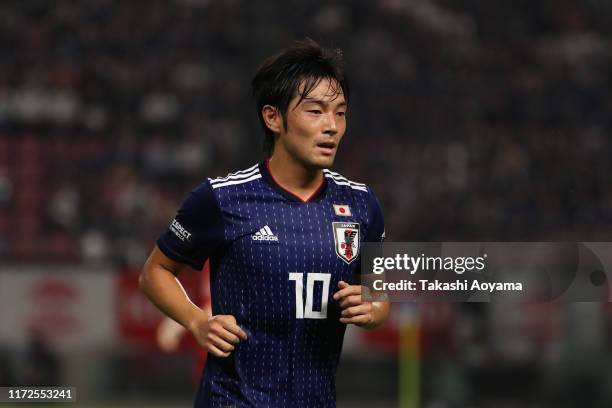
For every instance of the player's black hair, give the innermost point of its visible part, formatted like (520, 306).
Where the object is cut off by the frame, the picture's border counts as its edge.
(297, 68)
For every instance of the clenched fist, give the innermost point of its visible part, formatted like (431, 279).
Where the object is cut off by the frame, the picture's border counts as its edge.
(354, 309)
(218, 334)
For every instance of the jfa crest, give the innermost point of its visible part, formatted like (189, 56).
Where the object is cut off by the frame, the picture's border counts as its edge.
(346, 238)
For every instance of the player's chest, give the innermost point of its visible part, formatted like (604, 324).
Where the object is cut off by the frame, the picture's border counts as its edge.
(310, 234)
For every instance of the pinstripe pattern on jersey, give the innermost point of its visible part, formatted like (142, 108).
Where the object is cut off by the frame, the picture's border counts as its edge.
(286, 361)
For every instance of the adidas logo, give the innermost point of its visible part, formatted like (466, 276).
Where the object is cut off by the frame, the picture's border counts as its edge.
(264, 234)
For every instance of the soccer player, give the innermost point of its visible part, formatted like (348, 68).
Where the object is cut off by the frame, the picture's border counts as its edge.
(283, 238)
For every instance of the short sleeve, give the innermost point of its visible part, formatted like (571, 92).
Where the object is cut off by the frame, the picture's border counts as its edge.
(196, 230)
(375, 231)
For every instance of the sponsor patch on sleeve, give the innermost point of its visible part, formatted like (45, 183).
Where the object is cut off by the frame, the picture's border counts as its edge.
(180, 231)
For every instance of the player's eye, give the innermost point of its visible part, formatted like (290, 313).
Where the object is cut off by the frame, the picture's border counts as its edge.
(315, 111)
(341, 113)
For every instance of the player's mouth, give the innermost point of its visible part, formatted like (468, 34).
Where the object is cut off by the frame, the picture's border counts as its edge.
(327, 148)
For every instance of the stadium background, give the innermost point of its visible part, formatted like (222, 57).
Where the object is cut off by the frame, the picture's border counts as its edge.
(472, 120)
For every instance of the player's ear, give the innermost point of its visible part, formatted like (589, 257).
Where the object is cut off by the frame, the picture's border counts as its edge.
(272, 118)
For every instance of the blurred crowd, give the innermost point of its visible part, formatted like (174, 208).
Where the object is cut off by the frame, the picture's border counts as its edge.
(471, 121)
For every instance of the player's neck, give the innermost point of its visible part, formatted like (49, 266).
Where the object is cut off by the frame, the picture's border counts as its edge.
(294, 177)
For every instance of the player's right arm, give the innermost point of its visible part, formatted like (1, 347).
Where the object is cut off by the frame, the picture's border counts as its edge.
(193, 235)
(217, 334)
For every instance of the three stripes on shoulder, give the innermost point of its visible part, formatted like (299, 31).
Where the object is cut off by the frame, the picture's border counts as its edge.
(243, 176)
(343, 181)
(252, 173)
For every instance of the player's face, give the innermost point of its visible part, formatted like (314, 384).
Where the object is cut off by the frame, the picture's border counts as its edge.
(315, 126)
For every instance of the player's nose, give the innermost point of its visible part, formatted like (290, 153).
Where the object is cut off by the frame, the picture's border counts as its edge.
(329, 125)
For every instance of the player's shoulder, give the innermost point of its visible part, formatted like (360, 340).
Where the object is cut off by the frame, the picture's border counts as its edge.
(239, 177)
(362, 193)
(343, 182)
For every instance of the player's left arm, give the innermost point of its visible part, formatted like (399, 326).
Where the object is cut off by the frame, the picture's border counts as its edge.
(355, 310)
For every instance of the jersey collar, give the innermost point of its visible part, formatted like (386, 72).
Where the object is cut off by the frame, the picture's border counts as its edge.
(267, 176)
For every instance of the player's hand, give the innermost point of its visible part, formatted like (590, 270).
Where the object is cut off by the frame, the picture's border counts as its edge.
(354, 310)
(218, 334)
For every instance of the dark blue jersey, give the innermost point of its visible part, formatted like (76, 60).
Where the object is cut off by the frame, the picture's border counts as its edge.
(275, 264)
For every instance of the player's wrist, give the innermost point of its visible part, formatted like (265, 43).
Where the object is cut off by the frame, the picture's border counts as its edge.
(197, 319)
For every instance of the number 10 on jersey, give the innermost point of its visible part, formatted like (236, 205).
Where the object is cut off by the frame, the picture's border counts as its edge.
(306, 312)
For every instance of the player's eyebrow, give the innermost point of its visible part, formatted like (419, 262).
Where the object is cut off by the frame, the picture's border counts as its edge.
(322, 102)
